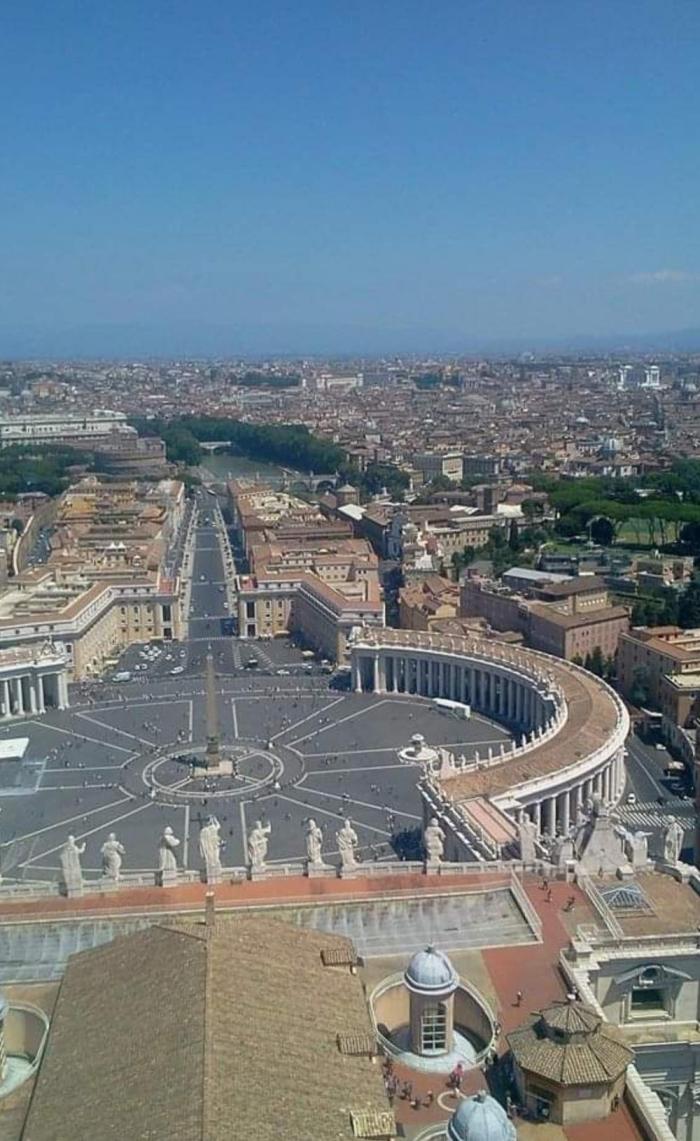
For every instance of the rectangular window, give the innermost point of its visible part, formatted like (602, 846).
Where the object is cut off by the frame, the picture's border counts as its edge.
(434, 1029)
(647, 1001)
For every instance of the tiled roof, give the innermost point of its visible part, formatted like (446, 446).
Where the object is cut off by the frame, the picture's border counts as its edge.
(193, 1033)
(570, 1045)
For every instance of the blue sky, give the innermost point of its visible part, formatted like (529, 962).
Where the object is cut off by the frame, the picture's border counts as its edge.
(346, 174)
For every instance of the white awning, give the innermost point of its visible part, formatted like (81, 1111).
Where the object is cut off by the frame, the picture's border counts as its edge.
(13, 749)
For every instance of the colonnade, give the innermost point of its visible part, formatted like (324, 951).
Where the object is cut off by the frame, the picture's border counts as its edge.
(559, 811)
(30, 693)
(523, 696)
(493, 690)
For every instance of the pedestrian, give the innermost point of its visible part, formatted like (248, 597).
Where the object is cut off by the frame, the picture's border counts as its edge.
(545, 884)
(518, 998)
(549, 895)
(429, 1099)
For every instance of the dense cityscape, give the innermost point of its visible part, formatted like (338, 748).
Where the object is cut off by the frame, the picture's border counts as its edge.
(271, 626)
(350, 571)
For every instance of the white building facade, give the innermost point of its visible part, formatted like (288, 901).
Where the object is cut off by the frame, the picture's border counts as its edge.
(32, 680)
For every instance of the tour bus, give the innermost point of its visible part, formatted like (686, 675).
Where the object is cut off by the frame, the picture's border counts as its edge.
(457, 707)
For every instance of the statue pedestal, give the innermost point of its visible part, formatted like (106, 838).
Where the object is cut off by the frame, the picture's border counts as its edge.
(625, 872)
(433, 867)
(318, 871)
(166, 879)
(350, 873)
(261, 873)
(212, 875)
(73, 888)
(223, 768)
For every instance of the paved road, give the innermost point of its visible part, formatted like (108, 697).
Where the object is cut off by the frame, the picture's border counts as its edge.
(657, 796)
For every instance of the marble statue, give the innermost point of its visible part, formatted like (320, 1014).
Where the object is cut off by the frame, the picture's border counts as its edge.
(636, 847)
(112, 852)
(257, 844)
(434, 841)
(209, 848)
(70, 864)
(167, 861)
(673, 842)
(347, 842)
(314, 840)
(527, 836)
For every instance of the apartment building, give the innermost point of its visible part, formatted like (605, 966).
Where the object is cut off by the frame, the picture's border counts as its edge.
(307, 573)
(446, 464)
(61, 427)
(568, 619)
(648, 654)
(426, 604)
(111, 578)
(95, 620)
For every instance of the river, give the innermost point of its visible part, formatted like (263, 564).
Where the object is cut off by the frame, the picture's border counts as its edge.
(224, 467)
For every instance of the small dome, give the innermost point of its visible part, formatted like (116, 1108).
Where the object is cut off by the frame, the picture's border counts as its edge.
(430, 972)
(480, 1118)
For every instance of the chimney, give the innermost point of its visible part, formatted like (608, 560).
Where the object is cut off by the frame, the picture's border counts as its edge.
(209, 910)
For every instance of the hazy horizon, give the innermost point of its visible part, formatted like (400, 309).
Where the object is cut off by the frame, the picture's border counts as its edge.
(266, 178)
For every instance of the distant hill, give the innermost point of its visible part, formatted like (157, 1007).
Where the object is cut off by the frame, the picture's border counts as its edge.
(203, 340)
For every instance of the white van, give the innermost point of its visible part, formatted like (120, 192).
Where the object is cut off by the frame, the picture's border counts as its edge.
(123, 675)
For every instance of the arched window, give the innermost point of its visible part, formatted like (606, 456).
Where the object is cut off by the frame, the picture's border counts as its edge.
(433, 1029)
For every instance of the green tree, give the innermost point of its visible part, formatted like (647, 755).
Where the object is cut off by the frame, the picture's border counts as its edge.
(639, 690)
(689, 606)
(595, 662)
(602, 531)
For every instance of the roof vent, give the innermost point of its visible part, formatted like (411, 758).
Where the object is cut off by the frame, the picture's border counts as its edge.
(358, 1044)
(371, 1123)
(339, 956)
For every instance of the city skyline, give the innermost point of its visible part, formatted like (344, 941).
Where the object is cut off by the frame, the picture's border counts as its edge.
(315, 181)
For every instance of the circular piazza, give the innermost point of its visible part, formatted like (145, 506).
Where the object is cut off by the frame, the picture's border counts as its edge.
(479, 734)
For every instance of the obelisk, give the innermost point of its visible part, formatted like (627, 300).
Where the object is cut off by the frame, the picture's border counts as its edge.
(212, 754)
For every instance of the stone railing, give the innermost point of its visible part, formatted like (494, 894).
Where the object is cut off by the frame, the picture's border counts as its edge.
(397, 979)
(38, 889)
(526, 906)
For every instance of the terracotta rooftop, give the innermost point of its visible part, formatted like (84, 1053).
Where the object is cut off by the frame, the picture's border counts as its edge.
(180, 1032)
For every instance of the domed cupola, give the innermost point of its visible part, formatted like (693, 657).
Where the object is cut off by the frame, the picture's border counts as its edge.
(431, 973)
(480, 1118)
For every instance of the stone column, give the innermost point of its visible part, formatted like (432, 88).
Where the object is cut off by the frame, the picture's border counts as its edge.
(31, 686)
(6, 707)
(19, 700)
(40, 693)
(375, 674)
(606, 784)
(565, 818)
(551, 815)
(537, 816)
(356, 675)
(578, 799)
